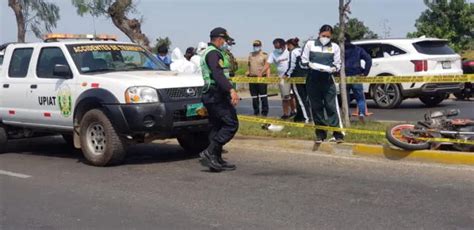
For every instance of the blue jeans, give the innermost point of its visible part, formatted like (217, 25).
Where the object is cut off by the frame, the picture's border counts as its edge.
(358, 92)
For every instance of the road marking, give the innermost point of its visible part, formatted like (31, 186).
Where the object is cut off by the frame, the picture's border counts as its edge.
(13, 174)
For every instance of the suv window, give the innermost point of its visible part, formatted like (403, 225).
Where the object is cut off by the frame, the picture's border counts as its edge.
(1, 59)
(48, 58)
(374, 50)
(433, 47)
(390, 50)
(20, 62)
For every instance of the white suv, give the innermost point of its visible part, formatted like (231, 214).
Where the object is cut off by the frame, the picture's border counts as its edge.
(415, 57)
(100, 95)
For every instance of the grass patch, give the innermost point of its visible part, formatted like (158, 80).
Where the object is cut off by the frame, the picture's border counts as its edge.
(244, 66)
(468, 54)
(255, 129)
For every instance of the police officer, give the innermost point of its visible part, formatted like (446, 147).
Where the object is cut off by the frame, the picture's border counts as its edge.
(220, 99)
(230, 61)
(257, 60)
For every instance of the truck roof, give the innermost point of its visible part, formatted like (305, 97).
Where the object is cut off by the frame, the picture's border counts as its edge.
(70, 42)
(398, 40)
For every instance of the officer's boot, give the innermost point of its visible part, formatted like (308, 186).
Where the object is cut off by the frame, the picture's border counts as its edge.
(225, 165)
(210, 158)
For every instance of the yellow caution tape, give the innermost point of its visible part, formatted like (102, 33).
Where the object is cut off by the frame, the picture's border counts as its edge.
(358, 80)
(332, 129)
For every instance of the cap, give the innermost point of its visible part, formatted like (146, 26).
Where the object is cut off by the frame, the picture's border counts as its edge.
(257, 43)
(220, 32)
(230, 41)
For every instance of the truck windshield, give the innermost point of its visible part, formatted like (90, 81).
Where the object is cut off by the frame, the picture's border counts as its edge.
(95, 58)
(433, 48)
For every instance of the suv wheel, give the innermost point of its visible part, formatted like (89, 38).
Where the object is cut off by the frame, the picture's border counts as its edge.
(387, 96)
(3, 139)
(432, 100)
(194, 143)
(100, 143)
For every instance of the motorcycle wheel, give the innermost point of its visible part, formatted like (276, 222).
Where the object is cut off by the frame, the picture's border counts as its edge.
(397, 135)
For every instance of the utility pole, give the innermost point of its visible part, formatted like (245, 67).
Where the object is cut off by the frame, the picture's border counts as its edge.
(343, 11)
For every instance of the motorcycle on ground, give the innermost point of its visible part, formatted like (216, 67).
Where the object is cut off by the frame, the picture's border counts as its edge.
(437, 124)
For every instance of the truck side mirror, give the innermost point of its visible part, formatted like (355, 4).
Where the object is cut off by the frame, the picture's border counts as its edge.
(62, 71)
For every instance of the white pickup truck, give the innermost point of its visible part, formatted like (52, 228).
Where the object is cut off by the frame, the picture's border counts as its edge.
(100, 94)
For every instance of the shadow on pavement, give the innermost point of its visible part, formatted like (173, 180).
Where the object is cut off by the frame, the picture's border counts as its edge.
(54, 146)
(156, 153)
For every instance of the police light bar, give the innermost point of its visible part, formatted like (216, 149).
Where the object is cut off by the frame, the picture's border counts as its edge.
(55, 37)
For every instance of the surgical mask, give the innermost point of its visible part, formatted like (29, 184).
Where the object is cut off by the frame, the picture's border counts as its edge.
(257, 49)
(324, 40)
(226, 47)
(278, 51)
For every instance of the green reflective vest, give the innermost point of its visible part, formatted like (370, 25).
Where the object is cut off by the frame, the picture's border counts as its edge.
(206, 71)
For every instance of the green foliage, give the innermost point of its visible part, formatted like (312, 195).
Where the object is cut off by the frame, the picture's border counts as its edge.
(98, 8)
(40, 16)
(356, 29)
(162, 41)
(449, 19)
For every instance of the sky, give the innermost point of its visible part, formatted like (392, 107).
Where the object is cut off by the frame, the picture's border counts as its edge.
(187, 22)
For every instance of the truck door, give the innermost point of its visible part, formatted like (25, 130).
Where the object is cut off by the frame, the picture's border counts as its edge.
(14, 88)
(53, 92)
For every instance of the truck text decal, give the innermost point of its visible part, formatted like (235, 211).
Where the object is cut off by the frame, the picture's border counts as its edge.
(102, 47)
(47, 101)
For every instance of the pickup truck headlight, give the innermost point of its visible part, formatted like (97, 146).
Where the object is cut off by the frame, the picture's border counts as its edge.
(141, 94)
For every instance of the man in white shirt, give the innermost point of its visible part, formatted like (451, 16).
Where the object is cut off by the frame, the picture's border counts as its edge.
(281, 57)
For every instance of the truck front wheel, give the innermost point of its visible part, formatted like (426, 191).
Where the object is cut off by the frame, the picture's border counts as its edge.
(101, 145)
(194, 143)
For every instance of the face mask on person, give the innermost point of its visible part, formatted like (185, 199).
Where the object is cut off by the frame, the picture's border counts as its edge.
(257, 49)
(226, 47)
(278, 51)
(324, 40)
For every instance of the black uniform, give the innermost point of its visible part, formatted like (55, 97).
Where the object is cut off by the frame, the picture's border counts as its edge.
(222, 114)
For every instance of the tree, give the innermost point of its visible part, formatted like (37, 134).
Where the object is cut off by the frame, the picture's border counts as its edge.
(37, 15)
(356, 29)
(118, 11)
(344, 10)
(449, 19)
(162, 41)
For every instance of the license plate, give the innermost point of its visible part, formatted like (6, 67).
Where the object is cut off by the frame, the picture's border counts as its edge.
(446, 65)
(191, 110)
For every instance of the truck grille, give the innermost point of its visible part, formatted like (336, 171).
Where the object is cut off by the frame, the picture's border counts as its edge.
(183, 93)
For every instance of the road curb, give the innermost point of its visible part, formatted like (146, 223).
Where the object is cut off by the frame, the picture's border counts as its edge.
(384, 151)
(360, 150)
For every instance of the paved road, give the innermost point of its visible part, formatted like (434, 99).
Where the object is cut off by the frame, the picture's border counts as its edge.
(160, 187)
(409, 110)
